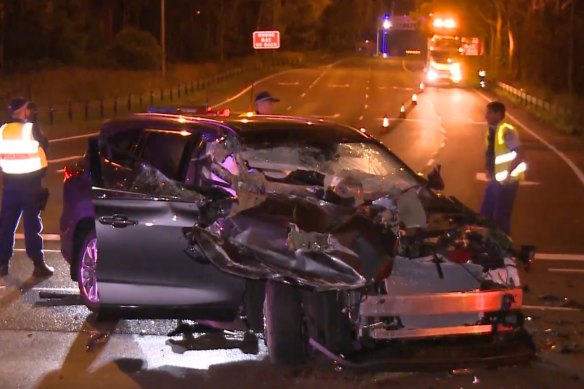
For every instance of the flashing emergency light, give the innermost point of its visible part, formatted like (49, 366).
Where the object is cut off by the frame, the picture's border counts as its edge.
(482, 73)
(432, 75)
(448, 23)
(387, 24)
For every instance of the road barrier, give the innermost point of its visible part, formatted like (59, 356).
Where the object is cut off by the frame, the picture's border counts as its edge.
(570, 114)
(111, 106)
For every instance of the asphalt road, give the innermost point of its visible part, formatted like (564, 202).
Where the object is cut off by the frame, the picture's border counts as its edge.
(43, 341)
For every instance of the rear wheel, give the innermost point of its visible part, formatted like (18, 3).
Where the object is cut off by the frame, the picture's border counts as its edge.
(86, 271)
(284, 324)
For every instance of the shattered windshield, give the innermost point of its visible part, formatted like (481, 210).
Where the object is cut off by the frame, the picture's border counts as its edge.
(362, 160)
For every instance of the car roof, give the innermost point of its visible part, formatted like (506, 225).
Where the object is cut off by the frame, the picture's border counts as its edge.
(250, 129)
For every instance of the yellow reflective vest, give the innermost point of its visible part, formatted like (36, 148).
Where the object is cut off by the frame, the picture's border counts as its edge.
(20, 153)
(505, 156)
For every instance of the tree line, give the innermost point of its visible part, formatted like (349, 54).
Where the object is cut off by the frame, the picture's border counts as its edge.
(534, 41)
(87, 32)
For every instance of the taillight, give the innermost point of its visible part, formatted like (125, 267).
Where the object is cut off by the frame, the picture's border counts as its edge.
(69, 172)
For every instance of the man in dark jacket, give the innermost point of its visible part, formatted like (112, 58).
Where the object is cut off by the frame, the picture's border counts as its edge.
(23, 162)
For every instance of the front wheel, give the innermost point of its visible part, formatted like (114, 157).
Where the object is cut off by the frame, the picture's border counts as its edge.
(86, 271)
(285, 328)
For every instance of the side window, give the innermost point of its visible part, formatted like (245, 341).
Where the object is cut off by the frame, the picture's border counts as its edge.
(122, 146)
(166, 151)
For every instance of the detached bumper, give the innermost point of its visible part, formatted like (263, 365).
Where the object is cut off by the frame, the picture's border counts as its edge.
(376, 310)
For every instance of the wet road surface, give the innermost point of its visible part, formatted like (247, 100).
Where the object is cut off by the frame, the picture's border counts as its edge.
(43, 341)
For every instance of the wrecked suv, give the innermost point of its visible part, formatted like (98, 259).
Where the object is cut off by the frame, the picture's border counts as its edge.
(310, 232)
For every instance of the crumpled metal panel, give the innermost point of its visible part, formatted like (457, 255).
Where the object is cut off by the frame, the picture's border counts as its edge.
(301, 240)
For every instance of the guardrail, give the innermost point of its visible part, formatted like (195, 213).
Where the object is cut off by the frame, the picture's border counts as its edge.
(568, 117)
(535, 102)
(113, 105)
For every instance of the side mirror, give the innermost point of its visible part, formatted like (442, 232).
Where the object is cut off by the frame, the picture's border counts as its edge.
(435, 180)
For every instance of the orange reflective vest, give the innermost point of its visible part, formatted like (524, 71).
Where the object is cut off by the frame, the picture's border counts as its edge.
(20, 153)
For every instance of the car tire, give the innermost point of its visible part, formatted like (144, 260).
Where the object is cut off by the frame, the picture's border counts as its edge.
(86, 261)
(284, 324)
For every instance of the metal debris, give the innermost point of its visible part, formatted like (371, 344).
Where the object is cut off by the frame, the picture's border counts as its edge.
(96, 338)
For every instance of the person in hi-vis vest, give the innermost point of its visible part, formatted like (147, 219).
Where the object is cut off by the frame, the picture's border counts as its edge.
(505, 167)
(23, 162)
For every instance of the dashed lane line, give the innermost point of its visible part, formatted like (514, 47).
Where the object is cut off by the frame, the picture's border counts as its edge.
(482, 177)
(65, 159)
(566, 271)
(559, 257)
(549, 308)
(47, 237)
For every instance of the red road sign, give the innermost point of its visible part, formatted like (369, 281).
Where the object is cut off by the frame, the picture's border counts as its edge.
(266, 40)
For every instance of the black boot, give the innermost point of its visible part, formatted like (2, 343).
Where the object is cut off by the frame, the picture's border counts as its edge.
(3, 270)
(41, 269)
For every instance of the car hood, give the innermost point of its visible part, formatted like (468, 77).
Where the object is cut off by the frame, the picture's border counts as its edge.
(331, 239)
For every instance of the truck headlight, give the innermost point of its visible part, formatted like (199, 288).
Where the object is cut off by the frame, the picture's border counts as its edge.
(432, 75)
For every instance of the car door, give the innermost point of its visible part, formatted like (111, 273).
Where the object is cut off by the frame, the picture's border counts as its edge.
(142, 210)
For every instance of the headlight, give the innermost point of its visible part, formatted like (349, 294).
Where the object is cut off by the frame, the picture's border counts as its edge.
(432, 75)
(456, 73)
(482, 73)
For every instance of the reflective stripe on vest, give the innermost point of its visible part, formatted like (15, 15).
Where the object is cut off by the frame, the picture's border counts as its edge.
(505, 156)
(20, 153)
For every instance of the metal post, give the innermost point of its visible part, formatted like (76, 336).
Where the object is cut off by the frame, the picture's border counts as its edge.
(163, 36)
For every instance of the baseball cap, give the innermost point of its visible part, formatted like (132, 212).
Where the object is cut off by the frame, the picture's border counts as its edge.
(19, 103)
(265, 96)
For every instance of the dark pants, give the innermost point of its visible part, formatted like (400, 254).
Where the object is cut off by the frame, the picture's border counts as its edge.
(498, 203)
(14, 205)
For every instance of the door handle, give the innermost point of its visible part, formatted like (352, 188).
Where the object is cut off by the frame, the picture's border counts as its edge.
(117, 221)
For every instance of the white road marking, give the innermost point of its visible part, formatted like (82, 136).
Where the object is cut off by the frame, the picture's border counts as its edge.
(561, 270)
(409, 120)
(338, 85)
(549, 308)
(579, 174)
(559, 257)
(361, 117)
(48, 237)
(482, 176)
(381, 87)
(65, 159)
(284, 83)
(366, 88)
(430, 162)
(60, 171)
(247, 89)
(289, 108)
(401, 88)
(67, 138)
(366, 106)
(44, 250)
(303, 94)
(405, 67)
(366, 96)
(482, 123)
(336, 115)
